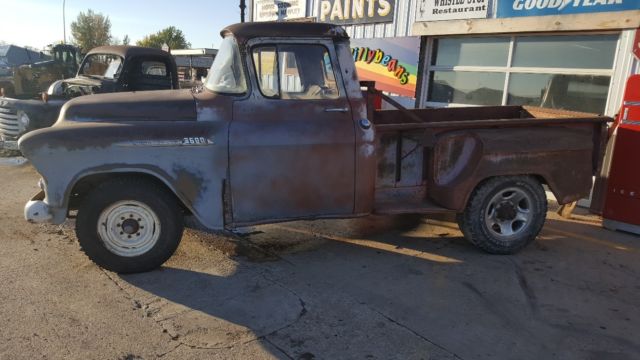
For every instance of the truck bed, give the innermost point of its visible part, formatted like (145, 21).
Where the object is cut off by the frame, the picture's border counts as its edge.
(476, 117)
(424, 154)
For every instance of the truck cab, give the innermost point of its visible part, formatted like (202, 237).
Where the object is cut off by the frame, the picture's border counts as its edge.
(281, 130)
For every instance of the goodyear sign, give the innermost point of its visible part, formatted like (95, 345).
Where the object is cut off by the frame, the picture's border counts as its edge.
(515, 8)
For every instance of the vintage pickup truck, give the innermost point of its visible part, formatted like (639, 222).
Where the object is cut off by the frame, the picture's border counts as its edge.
(105, 69)
(281, 130)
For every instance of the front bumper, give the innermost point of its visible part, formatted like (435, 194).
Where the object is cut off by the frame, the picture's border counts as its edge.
(37, 210)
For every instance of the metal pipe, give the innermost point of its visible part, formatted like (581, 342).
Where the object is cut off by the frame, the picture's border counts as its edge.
(243, 6)
(64, 24)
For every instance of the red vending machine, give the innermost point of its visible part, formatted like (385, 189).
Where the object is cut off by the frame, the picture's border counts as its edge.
(622, 201)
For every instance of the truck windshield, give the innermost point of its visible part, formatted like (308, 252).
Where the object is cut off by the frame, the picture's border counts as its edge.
(106, 66)
(226, 74)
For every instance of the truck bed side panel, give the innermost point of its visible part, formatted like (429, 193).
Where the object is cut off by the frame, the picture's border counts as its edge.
(561, 155)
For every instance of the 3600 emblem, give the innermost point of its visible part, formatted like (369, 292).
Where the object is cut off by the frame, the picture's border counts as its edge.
(195, 141)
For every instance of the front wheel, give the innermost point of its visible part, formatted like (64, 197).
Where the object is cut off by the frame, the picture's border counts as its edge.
(504, 214)
(129, 225)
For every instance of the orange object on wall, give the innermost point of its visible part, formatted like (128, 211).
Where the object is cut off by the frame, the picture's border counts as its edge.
(622, 202)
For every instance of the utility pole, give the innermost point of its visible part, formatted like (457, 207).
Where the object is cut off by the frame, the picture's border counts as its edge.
(64, 24)
(243, 6)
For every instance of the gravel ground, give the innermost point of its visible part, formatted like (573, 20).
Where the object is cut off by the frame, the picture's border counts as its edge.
(373, 288)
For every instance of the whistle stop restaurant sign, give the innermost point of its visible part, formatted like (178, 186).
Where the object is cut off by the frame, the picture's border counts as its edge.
(516, 8)
(391, 62)
(272, 10)
(433, 10)
(356, 11)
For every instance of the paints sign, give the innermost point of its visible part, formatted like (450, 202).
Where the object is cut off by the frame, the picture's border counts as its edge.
(277, 10)
(391, 62)
(356, 11)
(516, 8)
(434, 10)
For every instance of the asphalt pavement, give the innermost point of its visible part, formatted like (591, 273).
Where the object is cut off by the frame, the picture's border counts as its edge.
(404, 287)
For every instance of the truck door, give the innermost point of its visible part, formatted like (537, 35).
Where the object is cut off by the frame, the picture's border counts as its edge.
(292, 142)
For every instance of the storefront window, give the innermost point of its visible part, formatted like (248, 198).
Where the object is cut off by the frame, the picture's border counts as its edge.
(476, 88)
(574, 52)
(571, 72)
(571, 92)
(488, 51)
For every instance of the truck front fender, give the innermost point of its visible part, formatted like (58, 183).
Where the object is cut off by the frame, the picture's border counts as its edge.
(189, 158)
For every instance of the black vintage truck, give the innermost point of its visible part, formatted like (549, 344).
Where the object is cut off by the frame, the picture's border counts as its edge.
(104, 69)
(281, 130)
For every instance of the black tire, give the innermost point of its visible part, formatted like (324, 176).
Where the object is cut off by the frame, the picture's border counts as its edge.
(488, 226)
(124, 193)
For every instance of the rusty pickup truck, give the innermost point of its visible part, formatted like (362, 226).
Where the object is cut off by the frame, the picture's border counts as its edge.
(282, 130)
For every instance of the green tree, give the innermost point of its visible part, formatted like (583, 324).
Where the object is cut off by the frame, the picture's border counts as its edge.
(126, 40)
(90, 30)
(171, 36)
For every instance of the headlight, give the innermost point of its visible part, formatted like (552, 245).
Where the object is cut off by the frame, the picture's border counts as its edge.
(23, 121)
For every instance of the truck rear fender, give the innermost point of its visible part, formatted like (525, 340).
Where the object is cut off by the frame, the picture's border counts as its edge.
(559, 157)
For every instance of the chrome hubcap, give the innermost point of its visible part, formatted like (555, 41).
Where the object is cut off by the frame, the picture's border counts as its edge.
(509, 212)
(128, 228)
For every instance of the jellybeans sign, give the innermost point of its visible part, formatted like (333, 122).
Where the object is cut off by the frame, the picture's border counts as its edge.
(516, 8)
(391, 62)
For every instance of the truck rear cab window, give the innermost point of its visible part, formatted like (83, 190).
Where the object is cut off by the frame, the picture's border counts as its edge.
(295, 72)
(154, 68)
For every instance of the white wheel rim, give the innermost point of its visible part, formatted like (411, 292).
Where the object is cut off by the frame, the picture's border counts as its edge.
(129, 228)
(509, 212)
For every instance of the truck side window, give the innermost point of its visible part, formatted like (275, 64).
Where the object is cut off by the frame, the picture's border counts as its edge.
(295, 72)
(264, 59)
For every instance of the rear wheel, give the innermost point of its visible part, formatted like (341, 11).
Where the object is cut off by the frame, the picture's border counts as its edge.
(128, 225)
(504, 214)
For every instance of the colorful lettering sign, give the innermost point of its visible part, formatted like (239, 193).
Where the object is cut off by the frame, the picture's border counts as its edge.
(356, 11)
(391, 62)
(516, 8)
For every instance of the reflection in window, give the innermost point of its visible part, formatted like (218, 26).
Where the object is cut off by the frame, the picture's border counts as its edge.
(102, 65)
(474, 88)
(266, 67)
(295, 72)
(482, 51)
(586, 93)
(226, 74)
(154, 68)
(575, 52)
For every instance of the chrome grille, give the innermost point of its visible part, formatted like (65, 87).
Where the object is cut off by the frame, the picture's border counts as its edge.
(8, 121)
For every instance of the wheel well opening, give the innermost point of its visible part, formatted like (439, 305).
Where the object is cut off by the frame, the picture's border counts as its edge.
(83, 186)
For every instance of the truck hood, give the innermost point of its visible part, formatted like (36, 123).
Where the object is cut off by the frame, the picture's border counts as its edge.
(159, 105)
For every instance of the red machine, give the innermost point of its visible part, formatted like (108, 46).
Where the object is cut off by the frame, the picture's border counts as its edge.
(622, 202)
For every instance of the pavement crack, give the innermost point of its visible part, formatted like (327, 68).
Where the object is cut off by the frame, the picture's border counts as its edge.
(529, 294)
(414, 332)
(278, 348)
(169, 351)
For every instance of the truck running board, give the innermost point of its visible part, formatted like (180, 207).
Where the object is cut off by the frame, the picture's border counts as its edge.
(403, 207)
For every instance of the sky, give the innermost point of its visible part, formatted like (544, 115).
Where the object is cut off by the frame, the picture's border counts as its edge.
(38, 23)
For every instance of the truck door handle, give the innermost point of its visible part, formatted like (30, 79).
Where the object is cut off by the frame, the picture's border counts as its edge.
(342, 110)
